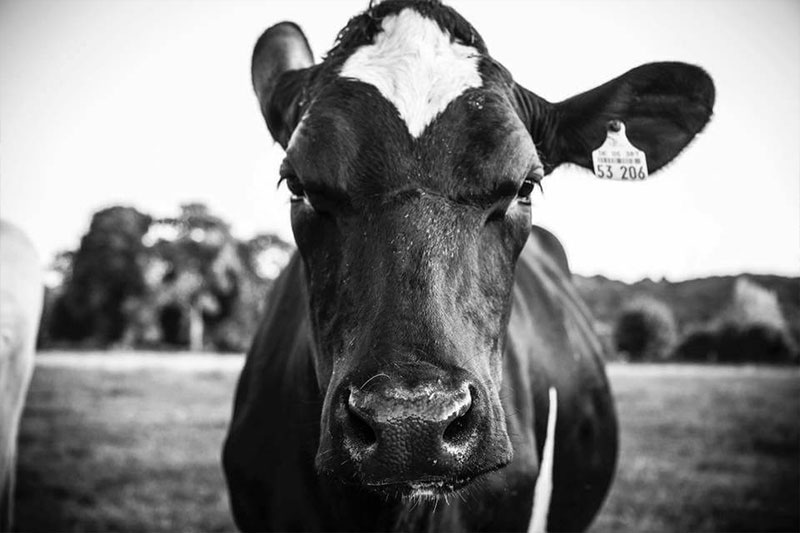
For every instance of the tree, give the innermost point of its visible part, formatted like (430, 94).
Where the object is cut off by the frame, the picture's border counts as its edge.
(753, 327)
(200, 284)
(198, 274)
(104, 272)
(55, 323)
(753, 304)
(261, 259)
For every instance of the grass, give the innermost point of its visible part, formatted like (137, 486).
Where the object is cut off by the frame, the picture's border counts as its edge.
(130, 450)
(137, 448)
(706, 448)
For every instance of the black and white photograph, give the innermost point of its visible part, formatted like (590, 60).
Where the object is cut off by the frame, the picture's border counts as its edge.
(400, 265)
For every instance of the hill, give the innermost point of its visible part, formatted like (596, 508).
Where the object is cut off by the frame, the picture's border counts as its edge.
(694, 302)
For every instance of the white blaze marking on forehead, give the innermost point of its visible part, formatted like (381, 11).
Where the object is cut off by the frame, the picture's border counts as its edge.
(415, 66)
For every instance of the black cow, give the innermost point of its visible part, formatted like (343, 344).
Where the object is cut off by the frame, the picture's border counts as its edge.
(406, 373)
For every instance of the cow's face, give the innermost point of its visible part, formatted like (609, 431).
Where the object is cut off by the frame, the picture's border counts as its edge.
(411, 156)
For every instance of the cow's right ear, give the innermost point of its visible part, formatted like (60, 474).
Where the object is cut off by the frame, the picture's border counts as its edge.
(281, 59)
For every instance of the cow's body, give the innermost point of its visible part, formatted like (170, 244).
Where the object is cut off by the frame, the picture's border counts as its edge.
(407, 369)
(275, 433)
(20, 309)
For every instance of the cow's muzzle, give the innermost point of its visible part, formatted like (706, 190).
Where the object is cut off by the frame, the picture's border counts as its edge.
(432, 438)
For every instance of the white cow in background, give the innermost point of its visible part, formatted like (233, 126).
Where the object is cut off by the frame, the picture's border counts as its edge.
(21, 296)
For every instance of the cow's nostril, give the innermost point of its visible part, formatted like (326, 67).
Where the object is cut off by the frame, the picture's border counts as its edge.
(360, 430)
(459, 430)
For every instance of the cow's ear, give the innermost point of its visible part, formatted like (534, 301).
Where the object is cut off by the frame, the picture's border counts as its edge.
(663, 106)
(281, 60)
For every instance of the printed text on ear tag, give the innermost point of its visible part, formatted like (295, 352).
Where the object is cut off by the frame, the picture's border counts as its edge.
(617, 158)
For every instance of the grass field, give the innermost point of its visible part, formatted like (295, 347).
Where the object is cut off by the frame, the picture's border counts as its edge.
(134, 446)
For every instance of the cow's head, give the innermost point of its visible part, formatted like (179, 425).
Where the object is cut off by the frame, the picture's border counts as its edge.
(411, 156)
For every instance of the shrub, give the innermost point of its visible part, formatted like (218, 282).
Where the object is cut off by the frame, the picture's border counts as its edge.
(737, 343)
(753, 342)
(645, 331)
(698, 346)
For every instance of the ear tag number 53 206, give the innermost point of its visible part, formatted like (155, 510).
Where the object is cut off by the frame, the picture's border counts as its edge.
(617, 158)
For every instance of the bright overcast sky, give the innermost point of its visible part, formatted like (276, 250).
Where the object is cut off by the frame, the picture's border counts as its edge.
(148, 103)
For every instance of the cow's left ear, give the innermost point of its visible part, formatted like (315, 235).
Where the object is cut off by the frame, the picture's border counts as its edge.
(280, 70)
(663, 106)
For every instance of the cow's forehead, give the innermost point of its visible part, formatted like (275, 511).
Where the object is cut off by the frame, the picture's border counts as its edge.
(418, 100)
(416, 65)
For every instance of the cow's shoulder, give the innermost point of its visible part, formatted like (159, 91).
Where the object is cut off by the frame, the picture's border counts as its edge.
(277, 362)
(552, 247)
(268, 454)
(545, 294)
(552, 342)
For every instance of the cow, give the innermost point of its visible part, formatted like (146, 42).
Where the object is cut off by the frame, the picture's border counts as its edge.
(424, 361)
(21, 297)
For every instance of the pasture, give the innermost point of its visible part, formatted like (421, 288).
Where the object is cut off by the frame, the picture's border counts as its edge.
(131, 442)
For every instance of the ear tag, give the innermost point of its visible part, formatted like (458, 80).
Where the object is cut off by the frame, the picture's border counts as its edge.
(617, 159)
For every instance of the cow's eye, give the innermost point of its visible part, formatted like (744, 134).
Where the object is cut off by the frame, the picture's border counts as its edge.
(296, 188)
(526, 189)
(292, 181)
(529, 184)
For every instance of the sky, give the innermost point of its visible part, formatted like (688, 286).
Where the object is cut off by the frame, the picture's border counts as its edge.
(148, 103)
